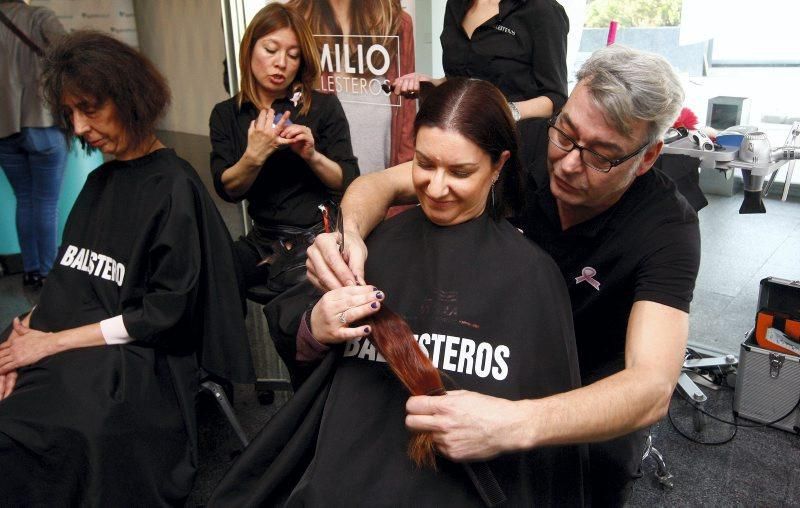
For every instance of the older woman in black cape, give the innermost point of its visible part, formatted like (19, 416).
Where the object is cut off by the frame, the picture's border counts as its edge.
(97, 382)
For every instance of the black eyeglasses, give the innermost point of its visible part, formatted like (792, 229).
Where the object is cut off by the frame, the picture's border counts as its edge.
(594, 160)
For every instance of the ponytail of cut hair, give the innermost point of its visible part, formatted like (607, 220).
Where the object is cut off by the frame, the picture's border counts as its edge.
(393, 339)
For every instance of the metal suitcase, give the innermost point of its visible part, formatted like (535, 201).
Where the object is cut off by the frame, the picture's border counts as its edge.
(768, 387)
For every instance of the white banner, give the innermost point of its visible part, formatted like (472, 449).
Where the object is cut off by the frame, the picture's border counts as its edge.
(114, 17)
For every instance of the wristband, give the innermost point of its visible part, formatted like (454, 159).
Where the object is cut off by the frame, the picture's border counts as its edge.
(514, 111)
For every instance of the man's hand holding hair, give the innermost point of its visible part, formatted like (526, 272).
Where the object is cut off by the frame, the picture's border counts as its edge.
(469, 426)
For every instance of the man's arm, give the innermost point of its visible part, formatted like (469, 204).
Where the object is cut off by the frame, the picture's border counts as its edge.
(364, 206)
(472, 426)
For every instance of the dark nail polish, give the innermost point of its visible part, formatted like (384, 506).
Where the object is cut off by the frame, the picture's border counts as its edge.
(379, 295)
(374, 305)
(374, 288)
(366, 329)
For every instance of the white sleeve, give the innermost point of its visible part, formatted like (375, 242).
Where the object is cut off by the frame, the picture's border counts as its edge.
(114, 331)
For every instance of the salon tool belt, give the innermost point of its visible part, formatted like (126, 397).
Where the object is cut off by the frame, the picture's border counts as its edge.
(778, 318)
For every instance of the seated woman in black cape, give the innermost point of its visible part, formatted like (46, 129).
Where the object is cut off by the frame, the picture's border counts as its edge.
(97, 382)
(488, 308)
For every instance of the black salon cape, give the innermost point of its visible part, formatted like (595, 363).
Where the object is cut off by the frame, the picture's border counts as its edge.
(115, 425)
(341, 441)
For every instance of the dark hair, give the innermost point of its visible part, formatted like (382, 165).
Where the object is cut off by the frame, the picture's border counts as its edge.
(477, 110)
(274, 17)
(97, 66)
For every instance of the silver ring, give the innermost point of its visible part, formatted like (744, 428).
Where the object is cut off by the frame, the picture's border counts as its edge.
(341, 317)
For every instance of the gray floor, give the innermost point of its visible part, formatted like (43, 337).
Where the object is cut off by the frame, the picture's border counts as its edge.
(759, 467)
(738, 251)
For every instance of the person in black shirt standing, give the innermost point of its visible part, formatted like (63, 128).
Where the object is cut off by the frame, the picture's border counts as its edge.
(520, 46)
(279, 144)
(628, 247)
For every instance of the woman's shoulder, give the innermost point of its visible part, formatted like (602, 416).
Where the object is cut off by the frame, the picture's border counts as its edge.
(519, 249)
(324, 100)
(228, 107)
(168, 172)
(406, 23)
(545, 7)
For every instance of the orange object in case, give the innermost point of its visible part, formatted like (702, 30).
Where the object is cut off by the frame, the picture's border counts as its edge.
(785, 324)
(779, 308)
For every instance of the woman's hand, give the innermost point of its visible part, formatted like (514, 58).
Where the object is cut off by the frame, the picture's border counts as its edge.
(262, 138)
(24, 347)
(337, 309)
(7, 383)
(409, 83)
(300, 139)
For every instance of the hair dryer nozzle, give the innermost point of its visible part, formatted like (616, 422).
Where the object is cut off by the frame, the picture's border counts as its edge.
(752, 203)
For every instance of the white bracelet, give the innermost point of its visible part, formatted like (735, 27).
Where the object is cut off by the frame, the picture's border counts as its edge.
(514, 111)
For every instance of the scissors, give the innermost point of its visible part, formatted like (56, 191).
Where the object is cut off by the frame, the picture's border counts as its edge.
(339, 230)
(338, 227)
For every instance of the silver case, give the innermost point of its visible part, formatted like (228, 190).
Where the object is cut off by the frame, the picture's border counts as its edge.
(767, 386)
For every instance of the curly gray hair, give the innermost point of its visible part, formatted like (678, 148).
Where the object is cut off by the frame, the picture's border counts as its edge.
(632, 85)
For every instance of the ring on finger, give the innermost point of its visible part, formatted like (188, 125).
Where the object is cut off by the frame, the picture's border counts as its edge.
(342, 319)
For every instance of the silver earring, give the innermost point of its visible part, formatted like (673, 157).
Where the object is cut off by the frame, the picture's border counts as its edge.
(493, 196)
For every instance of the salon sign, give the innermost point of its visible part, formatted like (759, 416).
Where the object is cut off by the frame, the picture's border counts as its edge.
(358, 64)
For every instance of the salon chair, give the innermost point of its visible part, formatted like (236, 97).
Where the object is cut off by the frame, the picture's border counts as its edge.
(222, 392)
(266, 387)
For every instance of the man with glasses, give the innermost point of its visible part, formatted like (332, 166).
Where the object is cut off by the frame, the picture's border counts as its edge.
(628, 246)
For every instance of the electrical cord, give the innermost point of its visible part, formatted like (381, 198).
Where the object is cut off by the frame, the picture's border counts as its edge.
(696, 406)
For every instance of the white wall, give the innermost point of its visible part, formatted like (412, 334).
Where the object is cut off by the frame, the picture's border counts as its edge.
(184, 39)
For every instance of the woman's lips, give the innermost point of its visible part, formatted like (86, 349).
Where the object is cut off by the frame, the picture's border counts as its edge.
(439, 204)
(277, 79)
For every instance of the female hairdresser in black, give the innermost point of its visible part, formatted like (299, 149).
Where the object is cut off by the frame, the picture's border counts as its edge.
(520, 46)
(279, 144)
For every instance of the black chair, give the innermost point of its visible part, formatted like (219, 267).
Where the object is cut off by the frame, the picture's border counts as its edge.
(266, 387)
(222, 392)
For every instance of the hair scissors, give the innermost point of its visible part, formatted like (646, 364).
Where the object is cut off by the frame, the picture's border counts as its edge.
(339, 230)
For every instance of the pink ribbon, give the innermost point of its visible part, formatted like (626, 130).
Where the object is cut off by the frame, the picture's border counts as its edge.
(296, 98)
(587, 275)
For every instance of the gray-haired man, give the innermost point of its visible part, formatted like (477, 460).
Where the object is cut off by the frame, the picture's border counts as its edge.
(628, 246)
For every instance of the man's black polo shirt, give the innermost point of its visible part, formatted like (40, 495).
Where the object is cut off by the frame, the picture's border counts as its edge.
(522, 50)
(645, 247)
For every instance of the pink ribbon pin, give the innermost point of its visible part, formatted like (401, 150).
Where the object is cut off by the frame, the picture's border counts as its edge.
(296, 98)
(587, 275)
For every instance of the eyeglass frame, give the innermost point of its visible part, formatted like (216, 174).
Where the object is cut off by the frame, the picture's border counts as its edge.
(551, 124)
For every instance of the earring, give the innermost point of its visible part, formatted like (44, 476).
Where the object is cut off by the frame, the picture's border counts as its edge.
(493, 206)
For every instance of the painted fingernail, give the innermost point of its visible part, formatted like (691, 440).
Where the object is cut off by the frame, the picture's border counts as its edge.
(374, 305)
(366, 329)
(374, 288)
(379, 295)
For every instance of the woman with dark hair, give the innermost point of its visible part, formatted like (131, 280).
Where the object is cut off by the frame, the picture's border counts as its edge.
(97, 383)
(488, 308)
(279, 144)
(381, 124)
